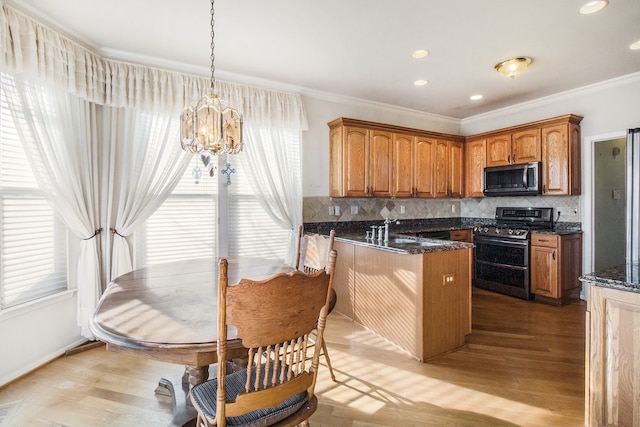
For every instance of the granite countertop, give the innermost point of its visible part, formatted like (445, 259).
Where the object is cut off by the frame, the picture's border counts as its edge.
(403, 244)
(625, 277)
(425, 225)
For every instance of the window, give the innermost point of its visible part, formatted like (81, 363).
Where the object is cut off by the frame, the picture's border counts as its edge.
(33, 241)
(185, 225)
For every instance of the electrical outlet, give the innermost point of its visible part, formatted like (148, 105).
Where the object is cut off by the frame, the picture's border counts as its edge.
(331, 211)
(448, 279)
(453, 208)
(354, 210)
(575, 209)
(402, 209)
(337, 210)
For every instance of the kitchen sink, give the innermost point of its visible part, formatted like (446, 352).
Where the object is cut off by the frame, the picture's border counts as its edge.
(413, 242)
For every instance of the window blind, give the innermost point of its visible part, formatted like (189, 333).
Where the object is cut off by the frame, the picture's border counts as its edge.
(33, 241)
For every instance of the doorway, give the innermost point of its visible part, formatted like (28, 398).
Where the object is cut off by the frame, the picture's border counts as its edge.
(609, 202)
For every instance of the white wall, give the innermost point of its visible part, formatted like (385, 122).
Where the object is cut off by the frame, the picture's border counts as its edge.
(34, 333)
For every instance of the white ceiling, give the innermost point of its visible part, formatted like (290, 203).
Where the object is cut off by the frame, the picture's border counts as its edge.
(361, 48)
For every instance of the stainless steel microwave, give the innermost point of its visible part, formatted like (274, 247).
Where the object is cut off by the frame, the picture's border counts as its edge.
(513, 180)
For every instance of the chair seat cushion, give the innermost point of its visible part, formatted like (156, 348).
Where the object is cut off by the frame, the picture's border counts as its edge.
(204, 396)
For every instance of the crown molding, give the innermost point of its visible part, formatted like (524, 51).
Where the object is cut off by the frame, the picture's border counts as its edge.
(546, 100)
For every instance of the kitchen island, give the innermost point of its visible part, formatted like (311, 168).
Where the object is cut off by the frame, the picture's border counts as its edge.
(612, 377)
(414, 292)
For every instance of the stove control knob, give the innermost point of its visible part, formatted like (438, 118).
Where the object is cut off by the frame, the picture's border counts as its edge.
(511, 231)
(498, 231)
(486, 229)
(518, 232)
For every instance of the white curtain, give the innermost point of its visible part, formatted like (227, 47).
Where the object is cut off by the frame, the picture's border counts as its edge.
(90, 148)
(270, 165)
(145, 165)
(59, 133)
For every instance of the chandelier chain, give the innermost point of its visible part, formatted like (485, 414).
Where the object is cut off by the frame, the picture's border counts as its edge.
(213, 45)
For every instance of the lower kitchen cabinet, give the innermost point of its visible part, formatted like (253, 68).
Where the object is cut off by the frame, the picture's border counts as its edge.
(556, 265)
(612, 380)
(464, 235)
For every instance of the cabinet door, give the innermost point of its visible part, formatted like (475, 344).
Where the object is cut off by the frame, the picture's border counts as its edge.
(381, 157)
(424, 159)
(336, 188)
(441, 172)
(403, 146)
(544, 271)
(499, 150)
(525, 146)
(456, 169)
(614, 383)
(355, 162)
(555, 160)
(475, 161)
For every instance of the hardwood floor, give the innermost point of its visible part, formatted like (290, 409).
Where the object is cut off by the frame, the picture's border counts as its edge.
(523, 365)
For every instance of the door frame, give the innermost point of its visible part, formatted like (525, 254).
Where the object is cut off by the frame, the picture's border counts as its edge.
(588, 205)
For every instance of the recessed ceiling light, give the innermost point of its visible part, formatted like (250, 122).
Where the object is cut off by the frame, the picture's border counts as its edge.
(635, 45)
(475, 97)
(420, 82)
(420, 53)
(593, 6)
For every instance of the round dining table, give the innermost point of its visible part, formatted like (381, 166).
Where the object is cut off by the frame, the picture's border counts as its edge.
(168, 312)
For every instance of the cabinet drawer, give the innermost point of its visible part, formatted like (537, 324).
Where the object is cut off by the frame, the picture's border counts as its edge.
(460, 235)
(547, 240)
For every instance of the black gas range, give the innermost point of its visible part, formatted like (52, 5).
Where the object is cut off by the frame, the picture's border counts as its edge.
(501, 252)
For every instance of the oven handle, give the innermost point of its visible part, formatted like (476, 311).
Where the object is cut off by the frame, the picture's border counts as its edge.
(500, 242)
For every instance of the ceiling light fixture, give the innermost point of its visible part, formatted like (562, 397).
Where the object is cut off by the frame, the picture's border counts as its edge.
(593, 7)
(514, 66)
(475, 97)
(211, 126)
(420, 82)
(420, 53)
(635, 45)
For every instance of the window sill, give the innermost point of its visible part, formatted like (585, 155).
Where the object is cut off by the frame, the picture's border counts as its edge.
(28, 307)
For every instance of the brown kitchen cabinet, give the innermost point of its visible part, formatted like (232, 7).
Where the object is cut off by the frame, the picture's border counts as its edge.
(556, 265)
(403, 165)
(360, 162)
(464, 235)
(424, 177)
(561, 158)
(475, 162)
(554, 142)
(515, 147)
(612, 384)
(377, 160)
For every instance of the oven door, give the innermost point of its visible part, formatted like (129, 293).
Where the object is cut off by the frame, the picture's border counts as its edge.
(502, 265)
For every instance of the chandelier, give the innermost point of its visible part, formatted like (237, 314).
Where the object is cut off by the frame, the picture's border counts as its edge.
(211, 126)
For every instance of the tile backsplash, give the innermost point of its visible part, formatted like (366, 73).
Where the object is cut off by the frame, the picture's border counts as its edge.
(327, 209)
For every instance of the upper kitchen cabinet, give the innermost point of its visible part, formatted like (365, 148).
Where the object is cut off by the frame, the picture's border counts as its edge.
(378, 160)
(514, 147)
(360, 162)
(475, 162)
(561, 157)
(555, 143)
(423, 159)
(403, 165)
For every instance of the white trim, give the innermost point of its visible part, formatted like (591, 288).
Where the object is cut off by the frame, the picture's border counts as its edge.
(42, 361)
(588, 184)
(35, 305)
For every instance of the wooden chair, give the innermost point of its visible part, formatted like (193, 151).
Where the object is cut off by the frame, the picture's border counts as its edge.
(274, 319)
(313, 255)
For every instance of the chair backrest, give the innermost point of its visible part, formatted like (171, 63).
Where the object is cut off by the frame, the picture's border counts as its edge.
(313, 251)
(273, 318)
